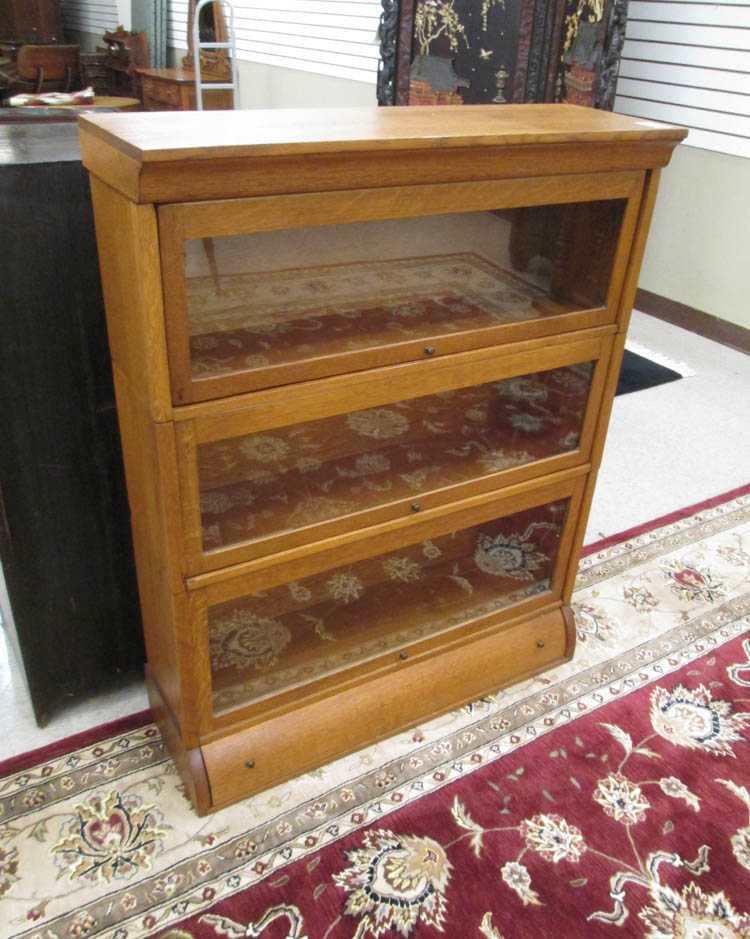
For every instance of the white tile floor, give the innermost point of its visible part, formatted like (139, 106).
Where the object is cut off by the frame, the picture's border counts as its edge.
(668, 447)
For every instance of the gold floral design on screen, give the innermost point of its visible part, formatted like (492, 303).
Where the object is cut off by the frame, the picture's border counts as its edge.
(110, 837)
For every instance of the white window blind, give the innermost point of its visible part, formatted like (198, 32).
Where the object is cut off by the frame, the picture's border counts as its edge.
(90, 16)
(689, 64)
(329, 37)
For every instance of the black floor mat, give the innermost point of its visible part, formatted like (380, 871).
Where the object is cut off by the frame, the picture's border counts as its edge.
(638, 373)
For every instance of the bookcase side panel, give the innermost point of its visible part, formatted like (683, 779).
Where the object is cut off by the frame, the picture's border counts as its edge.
(625, 306)
(127, 239)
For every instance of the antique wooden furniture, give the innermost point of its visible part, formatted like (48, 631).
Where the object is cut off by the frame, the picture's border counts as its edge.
(112, 69)
(173, 89)
(214, 63)
(35, 21)
(21, 22)
(47, 68)
(39, 69)
(65, 544)
(364, 363)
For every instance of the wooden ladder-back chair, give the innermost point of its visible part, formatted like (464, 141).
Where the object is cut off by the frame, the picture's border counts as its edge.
(49, 68)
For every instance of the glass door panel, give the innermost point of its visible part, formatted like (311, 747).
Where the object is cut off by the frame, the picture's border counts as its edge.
(264, 484)
(299, 632)
(277, 306)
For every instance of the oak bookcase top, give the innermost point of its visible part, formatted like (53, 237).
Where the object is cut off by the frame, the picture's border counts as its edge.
(188, 156)
(181, 135)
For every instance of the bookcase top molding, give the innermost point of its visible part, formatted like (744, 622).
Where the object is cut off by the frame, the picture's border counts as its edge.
(159, 156)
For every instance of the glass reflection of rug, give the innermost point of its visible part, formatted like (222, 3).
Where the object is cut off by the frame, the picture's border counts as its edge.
(283, 479)
(251, 320)
(297, 632)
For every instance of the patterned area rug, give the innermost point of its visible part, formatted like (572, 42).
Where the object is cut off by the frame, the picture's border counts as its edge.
(250, 320)
(609, 797)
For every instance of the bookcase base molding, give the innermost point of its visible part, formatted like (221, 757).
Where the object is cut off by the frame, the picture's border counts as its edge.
(364, 363)
(279, 747)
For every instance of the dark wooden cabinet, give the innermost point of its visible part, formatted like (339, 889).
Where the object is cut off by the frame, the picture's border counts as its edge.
(173, 89)
(23, 21)
(65, 543)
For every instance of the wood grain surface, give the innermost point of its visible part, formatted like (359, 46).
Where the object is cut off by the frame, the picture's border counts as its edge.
(195, 136)
(199, 175)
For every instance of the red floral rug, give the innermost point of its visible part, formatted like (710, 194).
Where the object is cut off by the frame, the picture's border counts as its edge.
(610, 797)
(630, 821)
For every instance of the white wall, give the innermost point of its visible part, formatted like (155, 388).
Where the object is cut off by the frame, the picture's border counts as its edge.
(298, 53)
(319, 37)
(698, 251)
(94, 16)
(269, 86)
(87, 41)
(688, 63)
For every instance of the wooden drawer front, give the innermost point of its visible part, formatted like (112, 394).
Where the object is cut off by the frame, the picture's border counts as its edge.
(348, 611)
(292, 468)
(264, 292)
(302, 739)
(159, 92)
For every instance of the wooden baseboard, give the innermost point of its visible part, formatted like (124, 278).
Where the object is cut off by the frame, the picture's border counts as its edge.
(695, 321)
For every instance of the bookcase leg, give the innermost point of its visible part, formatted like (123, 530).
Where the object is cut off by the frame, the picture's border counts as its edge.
(569, 621)
(189, 763)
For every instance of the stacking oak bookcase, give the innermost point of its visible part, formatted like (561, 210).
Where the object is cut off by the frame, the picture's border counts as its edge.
(364, 363)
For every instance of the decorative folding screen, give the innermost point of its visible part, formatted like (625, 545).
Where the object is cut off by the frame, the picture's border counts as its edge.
(485, 51)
